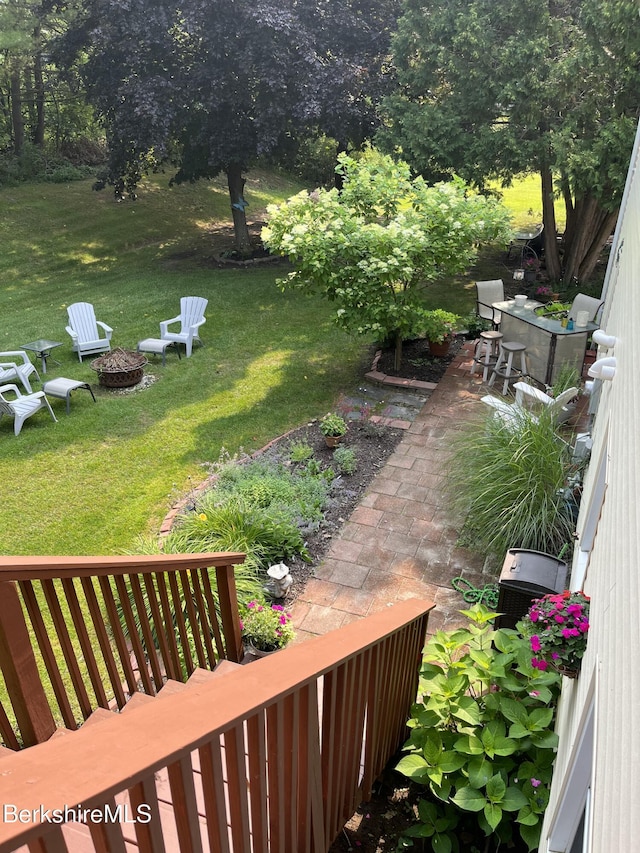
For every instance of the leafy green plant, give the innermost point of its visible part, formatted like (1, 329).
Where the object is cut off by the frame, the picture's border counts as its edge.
(345, 459)
(300, 451)
(473, 324)
(438, 325)
(567, 377)
(509, 481)
(333, 424)
(482, 741)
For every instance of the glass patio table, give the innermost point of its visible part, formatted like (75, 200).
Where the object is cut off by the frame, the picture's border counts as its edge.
(550, 346)
(42, 348)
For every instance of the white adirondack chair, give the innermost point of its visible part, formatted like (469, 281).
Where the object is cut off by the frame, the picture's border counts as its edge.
(528, 399)
(22, 406)
(16, 364)
(191, 317)
(83, 328)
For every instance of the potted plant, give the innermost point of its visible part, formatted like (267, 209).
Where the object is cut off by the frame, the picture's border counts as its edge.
(265, 628)
(439, 327)
(557, 626)
(333, 427)
(531, 267)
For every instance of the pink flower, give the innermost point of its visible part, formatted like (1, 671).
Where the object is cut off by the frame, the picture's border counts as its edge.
(241, 625)
(534, 615)
(535, 643)
(251, 604)
(574, 609)
(554, 655)
(534, 693)
(283, 619)
(535, 782)
(559, 619)
(277, 607)
(539, 664)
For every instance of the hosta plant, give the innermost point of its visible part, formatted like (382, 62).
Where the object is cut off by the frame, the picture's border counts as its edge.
(482, 742)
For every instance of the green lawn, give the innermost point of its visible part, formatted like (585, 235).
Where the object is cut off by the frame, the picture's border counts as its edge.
(100, 477)
(109, 471)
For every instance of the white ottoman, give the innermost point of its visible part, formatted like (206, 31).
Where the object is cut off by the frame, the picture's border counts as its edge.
(157, 346)
(62, 388)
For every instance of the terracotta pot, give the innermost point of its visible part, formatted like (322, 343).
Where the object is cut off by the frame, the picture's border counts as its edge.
(333, 440)
(439, 349)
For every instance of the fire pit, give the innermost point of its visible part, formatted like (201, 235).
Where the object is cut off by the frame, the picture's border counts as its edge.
(119, 368)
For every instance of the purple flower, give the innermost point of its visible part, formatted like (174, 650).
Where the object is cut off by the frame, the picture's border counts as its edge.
(283, 619)
(251, 604)
(535, 643)
(277, 607)
(559, 619)
(554, 655)
(535, 782)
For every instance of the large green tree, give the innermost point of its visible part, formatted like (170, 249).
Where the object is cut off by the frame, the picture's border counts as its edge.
(212, 85)
(374, 246)
(489, 89)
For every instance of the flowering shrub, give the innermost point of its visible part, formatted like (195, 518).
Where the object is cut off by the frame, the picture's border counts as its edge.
(543, 291)
(557, 628)
(266, 627)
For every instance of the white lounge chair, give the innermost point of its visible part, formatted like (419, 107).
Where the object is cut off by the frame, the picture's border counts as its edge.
(22, 406)
(16, 364)
(528, 399)
(83, 328)
(191, 317)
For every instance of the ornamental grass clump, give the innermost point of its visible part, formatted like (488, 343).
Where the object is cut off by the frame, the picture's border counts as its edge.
(557, 627)
(266, 627)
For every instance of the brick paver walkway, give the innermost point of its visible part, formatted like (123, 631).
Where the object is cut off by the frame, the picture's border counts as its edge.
(400, 542)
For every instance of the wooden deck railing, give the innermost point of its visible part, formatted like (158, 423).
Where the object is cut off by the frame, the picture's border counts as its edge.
(274, 756)
(91, 631)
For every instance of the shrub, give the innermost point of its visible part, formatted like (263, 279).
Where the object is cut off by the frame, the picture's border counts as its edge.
(300, 451)
(482, 740)
(509, 481)
(266, 627)
(345, 459)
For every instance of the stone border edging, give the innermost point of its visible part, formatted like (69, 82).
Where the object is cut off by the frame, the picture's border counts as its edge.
(374, 375)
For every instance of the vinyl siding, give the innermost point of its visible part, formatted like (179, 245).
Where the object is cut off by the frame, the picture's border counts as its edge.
(613, 573)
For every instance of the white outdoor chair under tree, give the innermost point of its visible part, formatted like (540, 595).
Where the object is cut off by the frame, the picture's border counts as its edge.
(22, 406)
(191, 317)
(528, 399)
(16, 364)
(83, 328)
(489, 292)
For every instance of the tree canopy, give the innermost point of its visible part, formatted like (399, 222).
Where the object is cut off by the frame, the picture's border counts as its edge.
(372, 247)
(488, 90)
(213, 85)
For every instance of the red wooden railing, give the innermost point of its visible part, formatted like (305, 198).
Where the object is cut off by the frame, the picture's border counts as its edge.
(274, 756)
(91, 631)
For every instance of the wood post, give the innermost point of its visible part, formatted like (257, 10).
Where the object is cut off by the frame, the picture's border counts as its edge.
(229, 613)
(20, 670)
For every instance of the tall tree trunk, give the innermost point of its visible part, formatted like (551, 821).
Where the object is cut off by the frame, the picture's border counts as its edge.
(551, 252)
(16, 112)
(236, 183)
(590, 260)
(397, 355)
(38, 80)
(591, 226)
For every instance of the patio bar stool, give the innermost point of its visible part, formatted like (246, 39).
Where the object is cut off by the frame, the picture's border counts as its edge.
(487, 352)
(505, 368)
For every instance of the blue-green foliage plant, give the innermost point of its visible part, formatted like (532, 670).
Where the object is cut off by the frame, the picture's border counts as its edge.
(482, 742)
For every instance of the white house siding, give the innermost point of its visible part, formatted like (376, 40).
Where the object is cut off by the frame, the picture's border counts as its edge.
(611, 667)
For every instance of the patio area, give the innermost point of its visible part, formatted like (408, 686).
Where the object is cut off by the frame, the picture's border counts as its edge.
(400, 542)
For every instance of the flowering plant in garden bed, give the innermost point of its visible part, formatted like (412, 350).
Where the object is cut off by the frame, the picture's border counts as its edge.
(266, 627)
(557, 627)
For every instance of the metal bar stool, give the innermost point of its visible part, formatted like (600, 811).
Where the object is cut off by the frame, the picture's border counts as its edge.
(505, 368)
(487, 352)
